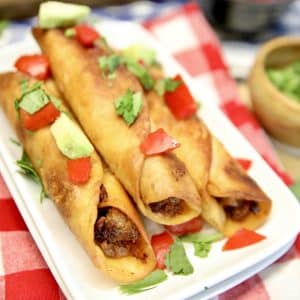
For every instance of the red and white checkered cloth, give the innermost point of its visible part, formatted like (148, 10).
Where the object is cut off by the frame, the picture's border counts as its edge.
(186, 34)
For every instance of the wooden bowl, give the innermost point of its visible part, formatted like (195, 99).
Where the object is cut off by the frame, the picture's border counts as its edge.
(279, 114)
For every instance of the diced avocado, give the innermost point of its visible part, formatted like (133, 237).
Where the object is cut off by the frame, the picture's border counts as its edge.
(140, 52)
(70, 139)
(34, 101)
(58, 14)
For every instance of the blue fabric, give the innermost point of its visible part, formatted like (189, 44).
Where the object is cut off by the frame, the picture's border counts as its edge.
(137, 11)
(143, 10)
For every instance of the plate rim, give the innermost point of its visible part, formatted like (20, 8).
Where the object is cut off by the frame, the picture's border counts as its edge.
(193, 288)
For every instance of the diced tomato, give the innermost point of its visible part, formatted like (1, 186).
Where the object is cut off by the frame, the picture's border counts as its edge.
(86, 35)
(79, 170)
(191, 226)
(245, 163)
(243, 238)
(181, 102)
(161, 244)
(45, 116)
(158, 142)
(36, 66)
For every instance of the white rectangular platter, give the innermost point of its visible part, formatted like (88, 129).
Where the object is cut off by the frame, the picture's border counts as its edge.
(72, 268)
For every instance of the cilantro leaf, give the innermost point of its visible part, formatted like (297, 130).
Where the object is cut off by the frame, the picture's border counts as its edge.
(202, 242)
(149, 282)
(27, 169)
(24, 84)
(147, 81)
(166, 85)
(171, 84)
(15, 142)
(129, 106)
(202, 249)
(295, 188)
(108, 64)
(202, 237)
(141, 72)
(177, 261)
(102, 43)
(35, 86)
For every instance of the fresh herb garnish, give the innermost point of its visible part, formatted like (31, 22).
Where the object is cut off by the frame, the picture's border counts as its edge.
(15, 142)
(108, 64)
(202, 237)
(202, 249)
(141, 73)
(166, 85)
(24, 85)
(149, 282)
(3, 25)
(176, 260)
(28, 170)
(102, 43)
(129, 106)
(202, 242)
(295, 188)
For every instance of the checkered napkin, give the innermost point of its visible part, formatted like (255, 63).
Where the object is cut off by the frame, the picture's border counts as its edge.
(188, 37)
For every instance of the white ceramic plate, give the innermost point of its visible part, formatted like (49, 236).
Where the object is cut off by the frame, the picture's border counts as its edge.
(234, 280)
(72, 268)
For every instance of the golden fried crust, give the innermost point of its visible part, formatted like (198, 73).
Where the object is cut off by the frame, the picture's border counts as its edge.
(92, 97)
(227, 179)
(78, 204)
(193, 136)
(215, 173)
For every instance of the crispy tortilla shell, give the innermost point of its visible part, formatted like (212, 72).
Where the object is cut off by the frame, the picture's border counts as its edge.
(216, 174)
(78, 204)
(148, 180)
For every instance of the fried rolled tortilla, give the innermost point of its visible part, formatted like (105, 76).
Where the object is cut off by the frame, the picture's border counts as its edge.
(160, 185)
(230, 198)
(98, 212)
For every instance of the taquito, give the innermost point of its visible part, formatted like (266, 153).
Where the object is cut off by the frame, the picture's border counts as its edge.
(99, 212)
(160, 185)
(230, 198)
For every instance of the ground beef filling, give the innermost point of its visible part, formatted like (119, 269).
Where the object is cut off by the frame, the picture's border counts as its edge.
(116, 234)
(171, 206)
(240, 209)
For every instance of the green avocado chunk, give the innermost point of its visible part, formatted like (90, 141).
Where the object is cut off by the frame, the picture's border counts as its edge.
(70, 139)
(58, 14)
(34, 100)
(138, 52)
